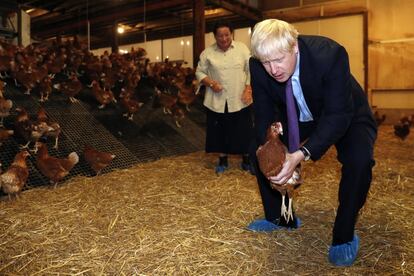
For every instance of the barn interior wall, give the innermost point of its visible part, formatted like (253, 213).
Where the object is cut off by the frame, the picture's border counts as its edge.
(179, 48)
(391, 53)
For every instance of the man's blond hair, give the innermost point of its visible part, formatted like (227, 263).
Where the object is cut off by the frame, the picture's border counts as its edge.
(270, 36)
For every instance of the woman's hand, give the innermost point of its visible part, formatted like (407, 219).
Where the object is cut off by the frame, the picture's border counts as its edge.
(247, 95)
(216, 87)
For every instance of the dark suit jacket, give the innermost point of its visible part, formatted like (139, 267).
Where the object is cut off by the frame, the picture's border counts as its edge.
(332, 94)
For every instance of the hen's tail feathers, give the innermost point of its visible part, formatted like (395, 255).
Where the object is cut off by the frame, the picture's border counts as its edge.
(73, 157)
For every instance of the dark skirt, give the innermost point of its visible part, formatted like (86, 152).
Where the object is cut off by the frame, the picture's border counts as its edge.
(229, 133)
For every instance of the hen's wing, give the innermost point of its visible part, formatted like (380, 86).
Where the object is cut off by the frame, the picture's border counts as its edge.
(271, 157)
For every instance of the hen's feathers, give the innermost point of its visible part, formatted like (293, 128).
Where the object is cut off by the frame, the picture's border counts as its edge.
(272, 154)
(14, 178)
(54, 168)
(98, 160)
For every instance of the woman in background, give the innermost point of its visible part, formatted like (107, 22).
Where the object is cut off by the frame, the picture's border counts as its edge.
(224, 70)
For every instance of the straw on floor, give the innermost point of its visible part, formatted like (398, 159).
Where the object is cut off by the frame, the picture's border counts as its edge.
(175, 216)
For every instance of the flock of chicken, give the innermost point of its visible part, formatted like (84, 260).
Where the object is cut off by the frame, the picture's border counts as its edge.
(55, 169)
(111, 78)
(401, 128)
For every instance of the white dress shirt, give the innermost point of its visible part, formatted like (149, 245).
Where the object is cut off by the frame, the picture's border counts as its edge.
(230, 68)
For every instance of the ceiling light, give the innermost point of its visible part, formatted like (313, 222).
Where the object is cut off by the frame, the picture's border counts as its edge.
(120, 30)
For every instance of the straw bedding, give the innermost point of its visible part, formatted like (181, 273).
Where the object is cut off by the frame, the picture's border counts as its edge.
(176, 217)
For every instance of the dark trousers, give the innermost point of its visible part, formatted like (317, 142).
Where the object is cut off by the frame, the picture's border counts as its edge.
(229, 133)
(355, 153)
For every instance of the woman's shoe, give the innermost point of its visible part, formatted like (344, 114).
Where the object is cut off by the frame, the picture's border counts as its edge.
(221, 168)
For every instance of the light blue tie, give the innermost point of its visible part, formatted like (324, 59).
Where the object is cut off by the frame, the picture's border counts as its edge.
(304, 113)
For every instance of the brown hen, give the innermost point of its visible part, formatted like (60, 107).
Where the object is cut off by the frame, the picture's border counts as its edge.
(13, 180)
(103, 96)
(271, 156)
(5, 106)
(5, 134)
(130, 103)
(70, 87)
(98, 160)
(27, 129)
(53, 127)
(54, 168)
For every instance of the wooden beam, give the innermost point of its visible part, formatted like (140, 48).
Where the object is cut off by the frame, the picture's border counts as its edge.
(112, 16)
(199, 30)
(240, 9)
(311, 12)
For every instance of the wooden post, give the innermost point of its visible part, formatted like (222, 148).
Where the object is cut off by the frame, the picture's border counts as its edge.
(199, 30)
(115, 34)
(19, 28)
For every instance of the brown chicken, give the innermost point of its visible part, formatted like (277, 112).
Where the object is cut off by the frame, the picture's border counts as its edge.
(178, 115)
(379, 118)
(98, 160)
(54, 168)
(129, 102)
(5, 134)
(45, 88)
(402, 128)
(27, 129)
(271, 156)
(55, 63)
(5, 106)
(24, 77)
(2, 87)
(70, 87)
(6, 63)
(167, 101)
(13, 180)
(104, 97)
(187, 88)
(54, 127)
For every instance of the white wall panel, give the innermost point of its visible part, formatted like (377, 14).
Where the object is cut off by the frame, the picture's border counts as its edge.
(153, 49)
(209, 39)
(346, 30)
(243, 35)
(179, 48)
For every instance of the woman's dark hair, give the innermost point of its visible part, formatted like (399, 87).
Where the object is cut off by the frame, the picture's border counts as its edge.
(221, 24)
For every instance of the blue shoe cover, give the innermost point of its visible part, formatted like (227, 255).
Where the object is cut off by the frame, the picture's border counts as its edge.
(220, 169)
(248, 167)
(344, 254)
(263, 225)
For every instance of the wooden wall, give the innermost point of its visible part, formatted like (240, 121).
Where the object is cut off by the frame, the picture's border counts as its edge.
(391, 44)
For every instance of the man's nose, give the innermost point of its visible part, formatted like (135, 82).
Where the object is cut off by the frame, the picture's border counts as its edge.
(273, 68)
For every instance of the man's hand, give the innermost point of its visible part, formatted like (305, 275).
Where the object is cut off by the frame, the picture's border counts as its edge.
(291, 161)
